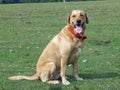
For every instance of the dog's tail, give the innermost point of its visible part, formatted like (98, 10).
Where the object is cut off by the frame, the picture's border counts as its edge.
(33, 77)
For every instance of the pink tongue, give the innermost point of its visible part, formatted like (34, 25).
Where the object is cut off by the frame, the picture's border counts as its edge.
(78, 29)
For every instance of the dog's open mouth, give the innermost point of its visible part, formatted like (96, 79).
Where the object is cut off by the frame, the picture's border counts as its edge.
(79, 29)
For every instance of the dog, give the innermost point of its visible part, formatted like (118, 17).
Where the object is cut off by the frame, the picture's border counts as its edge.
(62, 50)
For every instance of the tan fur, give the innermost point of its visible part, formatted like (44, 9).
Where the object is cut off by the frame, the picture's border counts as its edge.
(61, 51)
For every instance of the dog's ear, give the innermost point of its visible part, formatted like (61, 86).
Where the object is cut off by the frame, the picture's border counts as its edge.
(87, 20)
(69, 18)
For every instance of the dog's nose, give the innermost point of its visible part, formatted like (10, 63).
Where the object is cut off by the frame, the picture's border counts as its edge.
(78, 21)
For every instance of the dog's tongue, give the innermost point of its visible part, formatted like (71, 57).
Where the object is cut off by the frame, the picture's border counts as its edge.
(79, 29)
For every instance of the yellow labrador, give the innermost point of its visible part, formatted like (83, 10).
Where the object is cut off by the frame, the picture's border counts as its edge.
(61, 51)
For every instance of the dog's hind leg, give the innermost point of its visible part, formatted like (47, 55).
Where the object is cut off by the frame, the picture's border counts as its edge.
(48, 72)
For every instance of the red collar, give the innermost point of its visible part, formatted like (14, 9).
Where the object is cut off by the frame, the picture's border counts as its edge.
(79, 36)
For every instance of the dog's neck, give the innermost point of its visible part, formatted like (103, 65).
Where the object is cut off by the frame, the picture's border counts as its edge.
(77, 35)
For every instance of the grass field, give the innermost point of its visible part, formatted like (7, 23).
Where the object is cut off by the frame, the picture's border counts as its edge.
(25, 30)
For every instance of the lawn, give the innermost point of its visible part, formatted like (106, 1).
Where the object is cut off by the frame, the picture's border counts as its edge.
(25, 30)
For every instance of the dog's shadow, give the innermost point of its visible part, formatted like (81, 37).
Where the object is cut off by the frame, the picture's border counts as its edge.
(97, 76)
(87, 76)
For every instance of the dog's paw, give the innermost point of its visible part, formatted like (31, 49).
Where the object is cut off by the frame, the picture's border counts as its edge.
(65, 82)
(53, 82)
(56, 82)
(79, 79)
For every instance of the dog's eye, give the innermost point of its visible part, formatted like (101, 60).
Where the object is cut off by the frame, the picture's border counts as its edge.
(73, 16)
(81, 15)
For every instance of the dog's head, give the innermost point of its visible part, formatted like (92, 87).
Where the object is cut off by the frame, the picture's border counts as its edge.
(78, 19)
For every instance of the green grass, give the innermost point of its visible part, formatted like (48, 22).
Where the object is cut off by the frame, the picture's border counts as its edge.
(25, 30)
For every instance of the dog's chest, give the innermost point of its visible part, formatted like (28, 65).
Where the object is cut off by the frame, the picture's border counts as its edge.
(78, 52)
(74, 55)
(78, 48)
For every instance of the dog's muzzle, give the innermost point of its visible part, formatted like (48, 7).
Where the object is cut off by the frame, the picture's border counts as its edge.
(78, 26)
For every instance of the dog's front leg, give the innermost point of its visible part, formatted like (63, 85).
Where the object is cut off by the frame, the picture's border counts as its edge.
(75, 70)
(63, 70)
